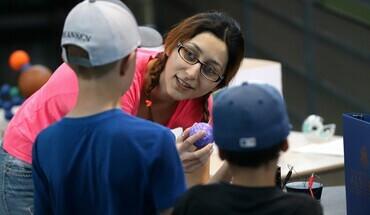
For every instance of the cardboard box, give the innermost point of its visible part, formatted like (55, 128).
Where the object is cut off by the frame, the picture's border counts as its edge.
(356, 137)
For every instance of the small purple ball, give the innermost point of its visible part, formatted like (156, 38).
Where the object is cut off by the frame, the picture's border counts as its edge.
(201, 126)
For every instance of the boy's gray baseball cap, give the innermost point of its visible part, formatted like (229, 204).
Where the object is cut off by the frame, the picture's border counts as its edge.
(106, 30)
(249, 117)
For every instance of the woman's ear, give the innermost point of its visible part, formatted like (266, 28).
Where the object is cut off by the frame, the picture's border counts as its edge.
(167, 52)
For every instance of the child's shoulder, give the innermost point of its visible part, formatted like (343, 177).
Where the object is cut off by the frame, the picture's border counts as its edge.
(145, 126)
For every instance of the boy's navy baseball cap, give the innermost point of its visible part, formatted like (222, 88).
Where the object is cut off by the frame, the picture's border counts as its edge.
(249, 117)
(107, 30)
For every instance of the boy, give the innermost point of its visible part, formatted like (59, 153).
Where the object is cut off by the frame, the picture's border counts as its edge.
(97, 159)
(250, 128)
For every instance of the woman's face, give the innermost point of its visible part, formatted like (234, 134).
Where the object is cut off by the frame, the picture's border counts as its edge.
(181, 80)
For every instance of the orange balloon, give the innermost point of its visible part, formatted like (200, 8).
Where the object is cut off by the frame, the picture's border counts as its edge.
(18, 59)
(32, 79)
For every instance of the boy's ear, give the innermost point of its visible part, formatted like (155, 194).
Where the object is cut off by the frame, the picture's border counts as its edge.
(124, 64)
(285, 146)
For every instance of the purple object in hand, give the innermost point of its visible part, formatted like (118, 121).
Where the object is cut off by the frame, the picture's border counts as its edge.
(201, 126)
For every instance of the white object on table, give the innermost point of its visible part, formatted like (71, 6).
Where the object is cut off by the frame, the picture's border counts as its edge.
(332, 147)
(304, 163)
(261, 71)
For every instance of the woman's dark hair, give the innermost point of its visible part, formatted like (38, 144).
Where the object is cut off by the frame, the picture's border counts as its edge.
(222, 26)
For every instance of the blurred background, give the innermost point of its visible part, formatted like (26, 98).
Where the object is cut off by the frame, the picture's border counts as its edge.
(323, 45)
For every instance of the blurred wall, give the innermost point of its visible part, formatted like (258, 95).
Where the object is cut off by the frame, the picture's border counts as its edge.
(325, 54)
(34, 26)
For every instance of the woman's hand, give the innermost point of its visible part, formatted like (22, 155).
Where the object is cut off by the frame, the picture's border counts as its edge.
(191, 157)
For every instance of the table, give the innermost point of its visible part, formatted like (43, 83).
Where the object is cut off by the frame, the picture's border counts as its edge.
(333, 200)
(327, 166)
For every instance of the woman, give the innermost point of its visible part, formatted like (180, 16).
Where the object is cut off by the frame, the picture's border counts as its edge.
(201, 55)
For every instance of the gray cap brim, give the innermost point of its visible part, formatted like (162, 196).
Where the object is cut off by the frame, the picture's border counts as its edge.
(150, 37)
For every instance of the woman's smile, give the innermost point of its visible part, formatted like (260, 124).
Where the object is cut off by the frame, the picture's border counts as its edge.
(183, 84)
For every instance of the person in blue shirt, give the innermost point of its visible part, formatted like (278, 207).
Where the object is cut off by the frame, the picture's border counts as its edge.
(98, 159)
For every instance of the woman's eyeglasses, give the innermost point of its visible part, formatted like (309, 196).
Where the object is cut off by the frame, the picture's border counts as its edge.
(191, 58)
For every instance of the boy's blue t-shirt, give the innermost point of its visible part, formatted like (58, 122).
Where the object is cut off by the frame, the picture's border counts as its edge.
(108, 163)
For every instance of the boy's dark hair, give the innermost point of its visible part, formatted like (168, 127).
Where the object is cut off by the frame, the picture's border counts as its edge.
(87, 72)
(252, 159)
